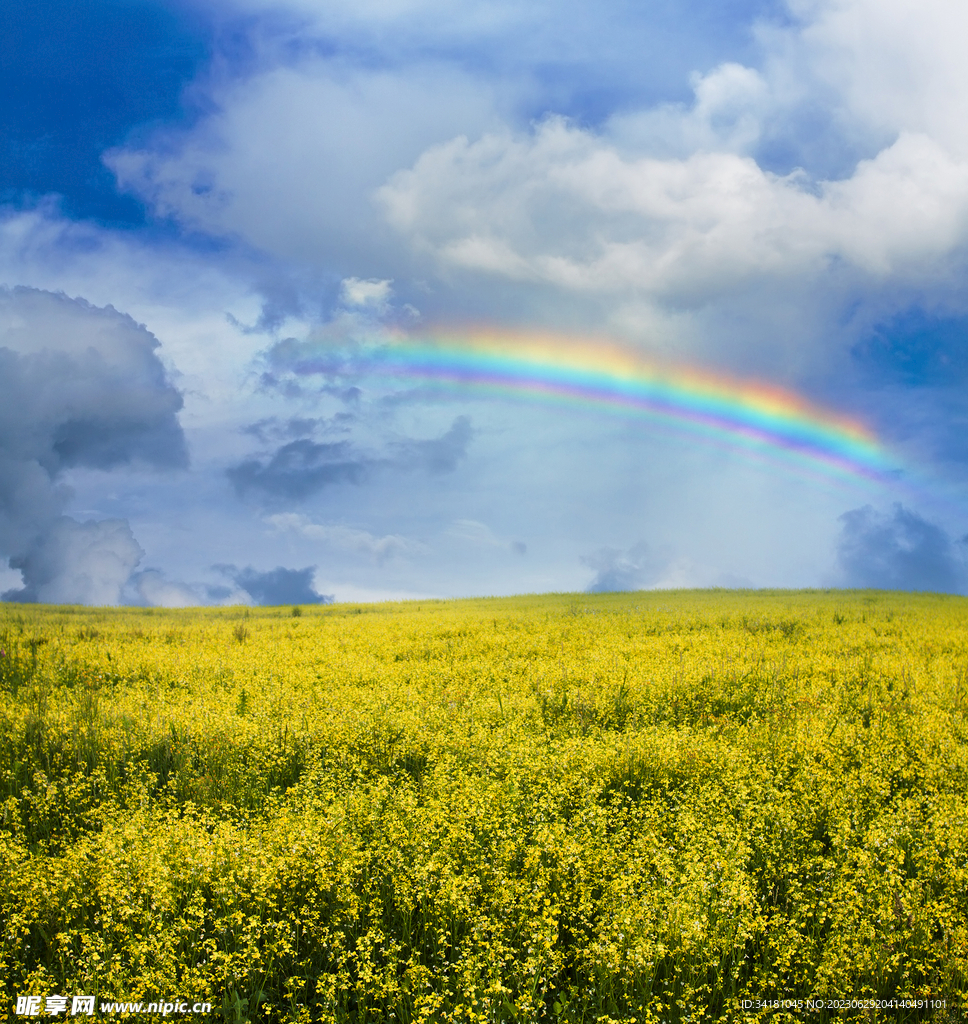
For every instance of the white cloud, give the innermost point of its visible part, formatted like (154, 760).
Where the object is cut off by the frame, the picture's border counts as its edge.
(416, 167)
(345, 538)
(289, 161)
(731, 104)
(155, 590)
(896, 65)
(357, 292)
(563, 206)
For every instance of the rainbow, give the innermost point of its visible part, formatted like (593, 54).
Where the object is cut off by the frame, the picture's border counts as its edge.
(758, 418)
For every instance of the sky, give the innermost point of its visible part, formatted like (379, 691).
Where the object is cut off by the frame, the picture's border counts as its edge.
(310, 300)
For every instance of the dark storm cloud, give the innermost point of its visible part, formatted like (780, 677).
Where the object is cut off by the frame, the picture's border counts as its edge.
(898, 551)
(103, 442)
(273, 429)
(280, 586)
(289, 361)
(299, 469)
(304, 467)
(82, 386)
(281, 298)
(79, 387)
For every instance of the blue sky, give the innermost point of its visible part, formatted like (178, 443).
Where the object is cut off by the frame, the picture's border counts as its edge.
(770, 190)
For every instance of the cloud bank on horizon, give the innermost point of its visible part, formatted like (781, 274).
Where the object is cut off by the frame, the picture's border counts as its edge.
(197, 196)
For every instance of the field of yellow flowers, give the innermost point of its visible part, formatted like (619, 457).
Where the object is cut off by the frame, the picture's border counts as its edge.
(665, 806)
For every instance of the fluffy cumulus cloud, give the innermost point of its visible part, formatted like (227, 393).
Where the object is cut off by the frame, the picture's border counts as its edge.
(79, 387)
(564, 206)
(836, 152)
(290, 157)
(894, 66)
